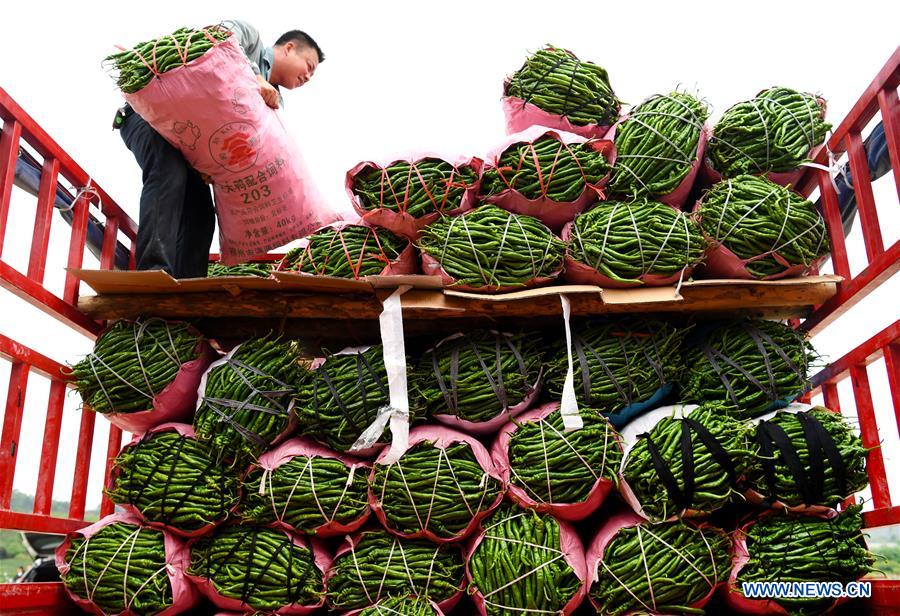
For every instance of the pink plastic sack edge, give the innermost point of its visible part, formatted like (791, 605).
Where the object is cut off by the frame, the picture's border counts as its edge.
(176, 402)
(297, 446)
(520, 115)
(569, 512)
(186, 430)
(184, 595)
(321, 558)
(432, 267)
(577, 272)
(350, 541)
(731, 593)
(554, 214)
(402, 223)
(606, 533)
(406, 263)
(573, 552)
(442, 438)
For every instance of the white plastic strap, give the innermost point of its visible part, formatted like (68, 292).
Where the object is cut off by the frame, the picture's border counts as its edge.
(397, 412)
(568, 406)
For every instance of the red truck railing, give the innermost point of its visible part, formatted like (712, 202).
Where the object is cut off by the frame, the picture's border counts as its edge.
(93, 206)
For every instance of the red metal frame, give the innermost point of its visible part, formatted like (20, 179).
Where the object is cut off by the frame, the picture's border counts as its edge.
(19, 127)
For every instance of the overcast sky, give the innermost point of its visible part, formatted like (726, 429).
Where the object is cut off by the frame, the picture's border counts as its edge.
(409, 76)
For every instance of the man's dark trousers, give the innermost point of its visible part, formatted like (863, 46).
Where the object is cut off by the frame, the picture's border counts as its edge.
(177, 216)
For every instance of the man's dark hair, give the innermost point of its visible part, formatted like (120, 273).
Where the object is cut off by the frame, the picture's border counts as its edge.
(302, 39)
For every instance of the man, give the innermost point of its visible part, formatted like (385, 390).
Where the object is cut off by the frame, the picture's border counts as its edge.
(177, 217)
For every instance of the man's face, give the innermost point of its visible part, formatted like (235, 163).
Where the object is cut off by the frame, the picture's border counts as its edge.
(295, 65)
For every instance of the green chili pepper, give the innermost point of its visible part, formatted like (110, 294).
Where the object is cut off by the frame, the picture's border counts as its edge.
(174, 480)
(657, 144)
(750, 367)
(492, 247)
(424, 187)
(772, 226)
(558, 82)
(625, 241)
(773, 132)
(132, 362)
(354, 251)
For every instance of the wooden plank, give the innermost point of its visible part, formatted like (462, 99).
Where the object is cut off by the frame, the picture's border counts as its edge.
(785, 298)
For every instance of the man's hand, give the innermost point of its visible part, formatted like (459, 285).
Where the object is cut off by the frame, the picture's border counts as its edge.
(268, 92)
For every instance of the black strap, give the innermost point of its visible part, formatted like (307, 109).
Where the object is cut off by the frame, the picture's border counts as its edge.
(684, 498)
(771, 436)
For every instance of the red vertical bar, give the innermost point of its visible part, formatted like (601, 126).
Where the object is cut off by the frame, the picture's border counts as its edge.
(112, 450)
(9, 153)
(43, 498)
(76, 247)
(888, 102)
(868, 427)
(832, 215)
(110, 239)
(82, 464)
(830, 393)
(132, 260)
(12, 425)
(865, 200)
(37, 262)
(892, 364)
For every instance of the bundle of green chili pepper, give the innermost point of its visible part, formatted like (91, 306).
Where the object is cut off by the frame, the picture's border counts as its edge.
(785, 548)
(757, 219)
(122, 567)
(476, 376)
(696, 462)
(306, 492)
(824, 462)
(555, 466)
(401, 606)
(519, 565)
(419, 188)
(261, 567)
(259, 270)
(558, 82)
(341, 397)
(132, 362)
(492, 247)
(627, 240)
(137, 66)
(774, 131)
(748, 366)
(434, 489)
(175, 480)
(546, 168)
(380, 565)
(657, 144)
(618, 362)
(246, 402)
(660, 568)
(353, 251)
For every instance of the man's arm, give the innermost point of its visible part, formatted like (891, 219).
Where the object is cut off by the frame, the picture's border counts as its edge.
(251, 44)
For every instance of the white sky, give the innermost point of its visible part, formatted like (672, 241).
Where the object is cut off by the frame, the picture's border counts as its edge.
(407, 76)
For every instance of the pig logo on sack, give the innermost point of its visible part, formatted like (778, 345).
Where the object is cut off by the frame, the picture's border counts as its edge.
(188, 133)
(239, 101)
(234, 146)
